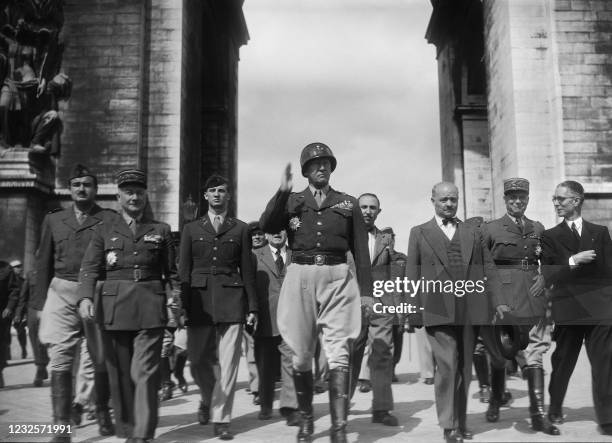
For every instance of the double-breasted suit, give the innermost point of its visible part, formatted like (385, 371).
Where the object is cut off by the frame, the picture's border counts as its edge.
(582, 310)
(377, 328)
(132, 311)
(450, 315)
(218, 281)
(268, 341)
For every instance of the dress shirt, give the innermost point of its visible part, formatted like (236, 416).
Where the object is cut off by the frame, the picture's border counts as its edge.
(283, 252)
(448, 229)
(578, 224)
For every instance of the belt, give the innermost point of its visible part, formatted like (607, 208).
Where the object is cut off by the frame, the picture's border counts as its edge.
(136, 274)
(214, 270)
(524, 264)
(318, 259)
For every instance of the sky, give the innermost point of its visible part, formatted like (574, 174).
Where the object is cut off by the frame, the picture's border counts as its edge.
(357, 75)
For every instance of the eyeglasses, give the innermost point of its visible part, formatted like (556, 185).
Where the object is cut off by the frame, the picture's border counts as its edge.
(556, 199)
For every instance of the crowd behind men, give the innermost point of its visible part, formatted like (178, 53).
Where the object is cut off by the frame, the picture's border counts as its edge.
(114, 280)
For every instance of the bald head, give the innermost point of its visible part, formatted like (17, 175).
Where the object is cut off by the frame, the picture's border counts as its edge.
(445, 198)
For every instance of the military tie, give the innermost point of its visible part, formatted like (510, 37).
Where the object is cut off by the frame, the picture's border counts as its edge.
(575, 231)
(280, 263)
(217, 223)
(81, 217)
(133, 226)
(519, 223)
(318, 197)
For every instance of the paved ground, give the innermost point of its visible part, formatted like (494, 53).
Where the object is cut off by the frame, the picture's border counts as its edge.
(415, 409)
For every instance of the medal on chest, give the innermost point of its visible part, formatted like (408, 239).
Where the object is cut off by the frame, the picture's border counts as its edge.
(294, 223)
(111, 258)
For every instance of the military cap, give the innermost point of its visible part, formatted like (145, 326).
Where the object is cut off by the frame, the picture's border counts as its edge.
(510, 338)
(254, 226)
(132, 177)
(78, 170)
(215, 180)
(516, 184)
(314, 151)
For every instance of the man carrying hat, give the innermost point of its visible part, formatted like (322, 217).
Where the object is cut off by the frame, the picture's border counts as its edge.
(319, 292)
(135, 255)
(65, 237)
(515, 244)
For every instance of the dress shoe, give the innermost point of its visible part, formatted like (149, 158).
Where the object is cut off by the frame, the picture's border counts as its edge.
(365, 386)
(76, 413)
(256, 399)
(429, 381)
(453, 436)
(41, 374)
(484, 394)
(606, 428)
(385, 418)
(105, 424)
(506, 397)
(203, 414)
(555, 418)
(222, 431)
(466, 433)
(182, 383)
(166, 391)
(293, 419)
(265, 414)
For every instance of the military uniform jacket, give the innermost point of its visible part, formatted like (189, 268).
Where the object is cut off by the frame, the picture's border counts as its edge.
(506, 242)
(581, 294)
(268, 283)
(428, 260)
(135, 268)
(217, 272)
(335, 228)
(9, 287)
(62, 245)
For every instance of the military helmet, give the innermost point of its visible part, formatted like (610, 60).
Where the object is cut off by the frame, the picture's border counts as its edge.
(314, 151)
(511, 338)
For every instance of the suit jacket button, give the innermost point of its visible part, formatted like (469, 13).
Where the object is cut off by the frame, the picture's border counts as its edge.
(214, 258)
(318, 233)
(214, 248)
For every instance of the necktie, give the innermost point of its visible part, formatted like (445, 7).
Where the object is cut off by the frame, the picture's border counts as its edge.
(81, 218)
(318, 197)
(133, 226)
(280, 264)
(519, 223)
(217, 223)
(575, 231)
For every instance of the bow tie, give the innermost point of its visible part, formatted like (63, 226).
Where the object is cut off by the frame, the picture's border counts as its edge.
(451, 220)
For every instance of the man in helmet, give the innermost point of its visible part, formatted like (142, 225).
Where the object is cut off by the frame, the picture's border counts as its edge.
(319, 291)
(514, 242)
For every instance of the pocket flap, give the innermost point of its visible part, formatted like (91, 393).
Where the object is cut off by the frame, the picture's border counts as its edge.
(113, 243)
(233, 284)
(199, 281)
(110, 288)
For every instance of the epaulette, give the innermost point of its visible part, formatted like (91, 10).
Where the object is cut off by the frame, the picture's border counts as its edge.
(53, 211)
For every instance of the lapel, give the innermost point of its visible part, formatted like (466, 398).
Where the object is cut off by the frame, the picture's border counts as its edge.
(466, 237)
(331, 198)
(529, 227)
(228, 224)
(92, 219)
(206, 225)
(144, 226)
(511, 225)
(308, 198)
(378, 244)
(434, 236)
(69, 218)
(121, 227)
(587, 239)
(268, 259)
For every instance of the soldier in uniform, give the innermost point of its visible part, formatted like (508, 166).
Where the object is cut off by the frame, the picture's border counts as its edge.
(218, 280)
(319, 291)
(135, 255)
(64, 239)
(378, 328)
(514, 242)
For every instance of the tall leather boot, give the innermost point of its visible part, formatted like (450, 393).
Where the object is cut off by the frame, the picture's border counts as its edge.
(303, 391)
(539, 420)
(338, 403)
(61, 400)
(481, 366)
(498, 379)
(102, 386)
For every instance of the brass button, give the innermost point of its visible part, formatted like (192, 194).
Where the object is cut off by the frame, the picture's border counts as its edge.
(318, 245)
(201, 238)
(214, 248)
(135, 252)
(135, 266)
(525, 247)
(214, 258)
(319, 223)
(319, 213)
(526, 258)
(318, 233)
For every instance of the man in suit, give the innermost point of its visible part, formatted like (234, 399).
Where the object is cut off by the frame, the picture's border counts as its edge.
(577, 261)
(515, 244)
(270, 350)
(450, 256)
(9, 294)
(135, 255)
(65, 237)
(319, 291)
(218, 281)
(377, 328)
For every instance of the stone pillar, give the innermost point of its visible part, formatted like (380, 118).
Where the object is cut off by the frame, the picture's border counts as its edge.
(25, 185)
(524, 100)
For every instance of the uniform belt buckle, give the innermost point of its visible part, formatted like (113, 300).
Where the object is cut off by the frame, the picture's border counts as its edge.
(213, 270)
(319, 260)
(137, 274)
(525, 265)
